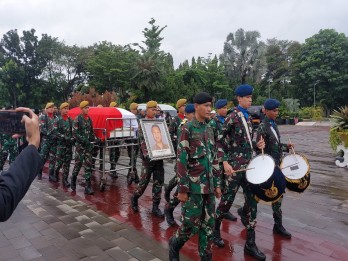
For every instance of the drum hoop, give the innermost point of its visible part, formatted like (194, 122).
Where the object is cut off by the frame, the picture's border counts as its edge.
(260, 155)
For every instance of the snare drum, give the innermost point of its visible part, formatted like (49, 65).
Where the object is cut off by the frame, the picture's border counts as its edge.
(296, 170)
(266, 180)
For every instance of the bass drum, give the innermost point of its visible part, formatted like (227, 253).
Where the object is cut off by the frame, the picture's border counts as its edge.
(265, 179)
(296, 169)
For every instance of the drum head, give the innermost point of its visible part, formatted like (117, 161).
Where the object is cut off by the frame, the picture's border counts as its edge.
(261, 169)
(294, 166)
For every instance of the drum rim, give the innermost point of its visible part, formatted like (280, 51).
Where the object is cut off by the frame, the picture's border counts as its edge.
(262, 155)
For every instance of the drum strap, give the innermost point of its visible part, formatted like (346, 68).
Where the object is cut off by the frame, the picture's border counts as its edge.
(275, 133)
(241, 115)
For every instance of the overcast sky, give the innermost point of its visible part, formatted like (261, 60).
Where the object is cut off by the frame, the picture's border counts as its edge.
(195, 27)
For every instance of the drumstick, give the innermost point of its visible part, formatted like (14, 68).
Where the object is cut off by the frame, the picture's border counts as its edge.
(290, 166)
(292, 147)
(262, 148)
(240, 170)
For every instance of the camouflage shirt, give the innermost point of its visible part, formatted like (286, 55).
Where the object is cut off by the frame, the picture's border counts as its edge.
(274, 147)
(63, 130)
(83, 130)
(234, 145)
(46, 126)
(174, 126)
(197, 165)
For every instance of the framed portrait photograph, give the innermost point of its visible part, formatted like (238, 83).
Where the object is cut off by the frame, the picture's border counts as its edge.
(157, 139)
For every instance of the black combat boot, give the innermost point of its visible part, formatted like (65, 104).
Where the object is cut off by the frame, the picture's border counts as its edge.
(278, 227)
(88, 188)
(230, 216)
(156, 211)
(52, 176)
(136, 176)
(134, 202)
(207, 256)
(243, 217)
(217, 235)
(65, 181)
(73, 182)
(174, 249)
(250, 247)
(168, 212)
(167, 189)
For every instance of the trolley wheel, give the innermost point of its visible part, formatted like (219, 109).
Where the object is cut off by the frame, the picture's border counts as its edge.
(101, 186)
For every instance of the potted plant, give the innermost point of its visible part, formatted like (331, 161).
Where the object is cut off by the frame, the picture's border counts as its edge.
(339, 128)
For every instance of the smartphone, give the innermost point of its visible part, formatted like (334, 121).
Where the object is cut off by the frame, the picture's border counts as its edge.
(10, 122)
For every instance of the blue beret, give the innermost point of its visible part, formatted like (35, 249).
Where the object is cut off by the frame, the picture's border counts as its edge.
(189, 108)
(244, 90)
(221, 103)
(271, 104)
(202, 97)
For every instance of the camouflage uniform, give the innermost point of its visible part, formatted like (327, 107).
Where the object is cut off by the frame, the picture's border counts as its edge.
(197, 170)
(83, 134)
(234, 147)
(114, 156)
(173, 129)
(275, 149)
(48, 142)
(63, 132)
(149, 167)
(8, 147)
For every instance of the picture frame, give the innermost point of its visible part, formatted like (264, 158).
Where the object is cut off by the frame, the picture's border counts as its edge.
(157, 139)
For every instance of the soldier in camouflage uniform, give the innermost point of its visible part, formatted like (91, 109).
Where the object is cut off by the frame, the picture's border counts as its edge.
(114, 152)
(83, 134)
(235, 149)
(8, 148)
(154, 167)
(132, 174)
(199, 179)
(173, 131)
(173, 202)
(63, 132)
(268, 130)
(48, 140)
(217, 122)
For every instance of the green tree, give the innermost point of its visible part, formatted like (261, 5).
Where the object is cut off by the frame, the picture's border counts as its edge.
(322, 63)
(241, 53)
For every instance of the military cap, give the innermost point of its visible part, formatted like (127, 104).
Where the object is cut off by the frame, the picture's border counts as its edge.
(221, 103)
(133, 106)
(63, 105)
(151, 104)
(202, 97)
(113, 104)
(83, 104)
(271, 104)
(190, 108)
(49, 105)
(180, 102)
(244, 90)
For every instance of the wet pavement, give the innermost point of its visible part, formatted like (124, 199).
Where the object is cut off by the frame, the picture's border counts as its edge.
(52, 223)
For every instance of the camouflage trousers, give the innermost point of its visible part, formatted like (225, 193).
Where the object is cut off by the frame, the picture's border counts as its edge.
(96, 149)
(135, 152)
(63, 158)
(83, 156)
(232, 184)
(114, 154)
(174, 200)
(48, 152)
(197, 216)
(8, 149)
(148, 168)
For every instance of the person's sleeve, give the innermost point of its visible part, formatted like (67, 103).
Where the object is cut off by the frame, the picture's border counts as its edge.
(15, 182)
(261, 132)
(144, 151)
(182, 160)
(224, 141)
